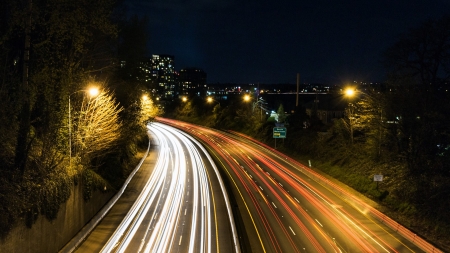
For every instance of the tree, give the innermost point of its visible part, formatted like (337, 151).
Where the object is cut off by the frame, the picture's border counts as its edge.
(97, 127)
(281, 114)
(419, 73)
(148, 110)
(421, 56)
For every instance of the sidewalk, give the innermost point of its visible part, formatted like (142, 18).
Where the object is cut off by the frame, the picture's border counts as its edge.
(96, 233)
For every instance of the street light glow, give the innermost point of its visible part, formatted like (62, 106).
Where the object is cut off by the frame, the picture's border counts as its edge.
(247, 97)
(209, 99)
(349, 92)
(144, 97)
(93, 92)
(184, 99)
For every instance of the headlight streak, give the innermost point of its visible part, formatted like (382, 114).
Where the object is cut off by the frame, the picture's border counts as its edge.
(224, 193)
(201, 203)
(151, 186)
(167, 209)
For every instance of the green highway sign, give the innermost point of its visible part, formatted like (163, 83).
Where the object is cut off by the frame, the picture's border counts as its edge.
(279, 132)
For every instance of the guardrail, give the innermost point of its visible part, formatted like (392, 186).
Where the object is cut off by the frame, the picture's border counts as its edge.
(76, 241)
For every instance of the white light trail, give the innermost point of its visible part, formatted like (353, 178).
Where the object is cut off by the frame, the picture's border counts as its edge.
(164, 197)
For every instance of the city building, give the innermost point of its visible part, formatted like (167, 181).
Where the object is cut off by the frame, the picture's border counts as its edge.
(159, 73)
(192, 81)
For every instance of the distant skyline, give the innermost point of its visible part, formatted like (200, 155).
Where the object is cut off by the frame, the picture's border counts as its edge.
(270, 42)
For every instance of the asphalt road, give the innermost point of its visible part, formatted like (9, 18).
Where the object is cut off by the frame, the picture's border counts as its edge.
(175, 203)
(286, 207)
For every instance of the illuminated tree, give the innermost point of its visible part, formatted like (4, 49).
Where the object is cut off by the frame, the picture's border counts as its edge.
(97, 127)
(148, 110)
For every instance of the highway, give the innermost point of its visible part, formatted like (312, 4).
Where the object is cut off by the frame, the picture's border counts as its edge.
(183, 207)
(287, 207)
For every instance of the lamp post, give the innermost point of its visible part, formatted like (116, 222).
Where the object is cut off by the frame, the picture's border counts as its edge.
(374, 103)
(93, 92)
(211, 99)
(350, 93)
(258, 103)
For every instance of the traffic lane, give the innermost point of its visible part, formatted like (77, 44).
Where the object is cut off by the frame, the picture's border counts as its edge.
(403, 244)
(283, 229)
(260, 236)
(206, 205)
(223, 229)
(363, 223)
(310, 210)
(286, 208)
(377, 244)
(376, 229)
(275, 213)
(235, 154)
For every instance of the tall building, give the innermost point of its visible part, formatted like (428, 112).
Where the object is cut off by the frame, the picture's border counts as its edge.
(162, 72)
(159, 71)
(192, 81)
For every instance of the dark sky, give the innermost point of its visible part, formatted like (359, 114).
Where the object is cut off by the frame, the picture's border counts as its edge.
(251, 41)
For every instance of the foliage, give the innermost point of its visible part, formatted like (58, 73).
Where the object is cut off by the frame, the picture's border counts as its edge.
(421, 56)
(281, 114)
(97, 127)
(71, 43)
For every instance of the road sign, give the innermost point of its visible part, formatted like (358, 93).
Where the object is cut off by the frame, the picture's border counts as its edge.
(378, 178)
(279, 132)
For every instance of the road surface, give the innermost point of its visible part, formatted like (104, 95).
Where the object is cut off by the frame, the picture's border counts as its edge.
(287, 207)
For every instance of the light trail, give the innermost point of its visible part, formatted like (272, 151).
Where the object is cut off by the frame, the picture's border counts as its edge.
(170, 202)
(317, 210)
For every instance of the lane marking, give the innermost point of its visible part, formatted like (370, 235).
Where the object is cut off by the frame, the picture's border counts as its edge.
(318, 222)
(291, 230)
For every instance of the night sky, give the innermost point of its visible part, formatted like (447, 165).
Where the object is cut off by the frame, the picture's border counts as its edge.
(253, 41)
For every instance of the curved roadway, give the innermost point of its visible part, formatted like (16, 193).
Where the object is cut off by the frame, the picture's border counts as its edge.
(285, 210)
(183, 206)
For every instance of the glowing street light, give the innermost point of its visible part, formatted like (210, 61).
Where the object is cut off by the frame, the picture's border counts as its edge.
(184, 99)
(350, 92)
(210, 100)
(92, 92)
(247, 97)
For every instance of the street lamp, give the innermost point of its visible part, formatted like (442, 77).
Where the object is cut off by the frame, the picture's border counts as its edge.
(93, 92)
(258, 103)
(211, 99)
(349, 92)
